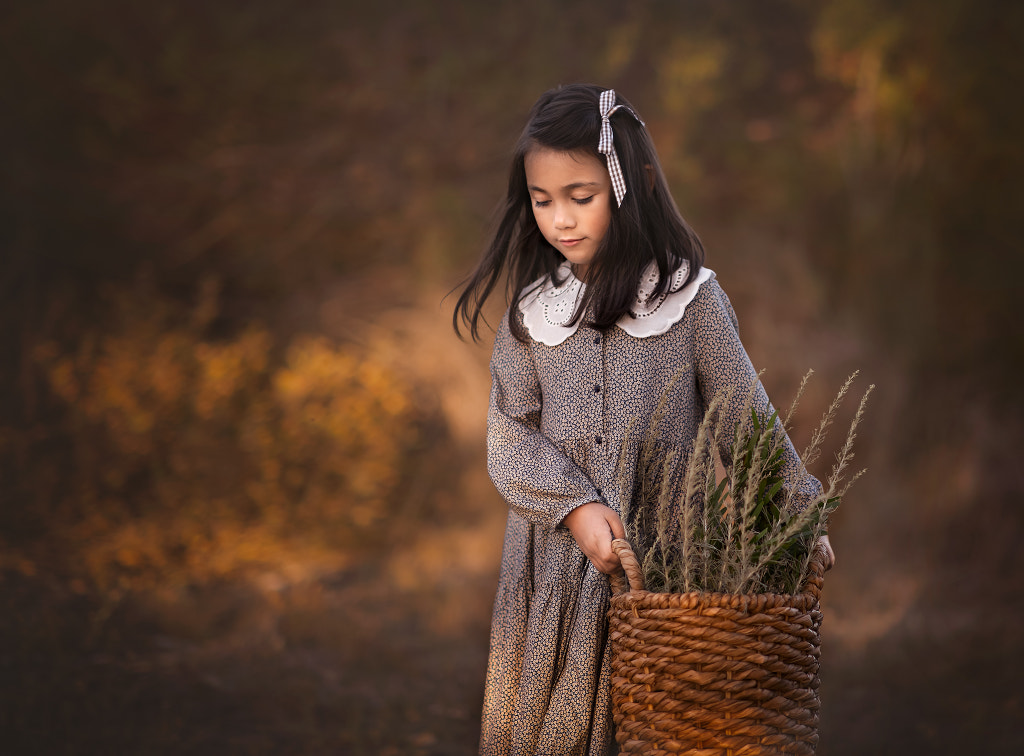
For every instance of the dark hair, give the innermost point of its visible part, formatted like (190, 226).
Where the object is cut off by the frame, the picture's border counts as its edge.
(647, 226)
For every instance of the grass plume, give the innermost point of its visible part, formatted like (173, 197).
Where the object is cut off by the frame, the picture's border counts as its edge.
(748, 532)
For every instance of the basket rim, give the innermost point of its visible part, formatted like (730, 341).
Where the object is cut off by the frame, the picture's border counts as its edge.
(700, 601)
(808, 596)
(718, 596)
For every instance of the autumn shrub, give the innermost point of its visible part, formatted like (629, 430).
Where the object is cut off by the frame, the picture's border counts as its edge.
(183, 451)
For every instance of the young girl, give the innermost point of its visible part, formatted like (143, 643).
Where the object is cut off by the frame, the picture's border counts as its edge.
(609, 302)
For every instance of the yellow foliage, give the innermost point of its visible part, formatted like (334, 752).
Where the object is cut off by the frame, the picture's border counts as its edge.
(204, 435)
(225, 369)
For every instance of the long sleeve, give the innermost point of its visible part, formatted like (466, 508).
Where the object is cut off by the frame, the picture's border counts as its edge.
(536, 478)
(722, 363)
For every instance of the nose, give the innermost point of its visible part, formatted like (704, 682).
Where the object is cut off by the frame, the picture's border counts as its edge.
(564, 217)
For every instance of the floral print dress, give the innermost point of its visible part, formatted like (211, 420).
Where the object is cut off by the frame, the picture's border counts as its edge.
(563, 408)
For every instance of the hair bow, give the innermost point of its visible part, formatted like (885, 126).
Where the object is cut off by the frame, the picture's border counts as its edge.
(606, 144)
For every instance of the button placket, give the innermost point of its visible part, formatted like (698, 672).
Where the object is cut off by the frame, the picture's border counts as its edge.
(600, 438)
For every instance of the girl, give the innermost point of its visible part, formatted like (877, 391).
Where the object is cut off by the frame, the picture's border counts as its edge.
(609, 301)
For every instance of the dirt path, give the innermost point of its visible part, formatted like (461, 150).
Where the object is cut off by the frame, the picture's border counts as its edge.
(361, 661)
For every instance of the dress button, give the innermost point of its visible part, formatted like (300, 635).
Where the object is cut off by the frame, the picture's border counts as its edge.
(597, 388)
(599, 492)
(597, 439)
(597, 339)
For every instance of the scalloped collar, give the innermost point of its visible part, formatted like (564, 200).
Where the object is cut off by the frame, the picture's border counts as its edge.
(548, 309)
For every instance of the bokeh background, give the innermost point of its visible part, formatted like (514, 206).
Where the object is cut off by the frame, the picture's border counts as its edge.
(243, 503)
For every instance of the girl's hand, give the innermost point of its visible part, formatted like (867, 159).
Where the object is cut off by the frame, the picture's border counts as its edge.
(830, 556)
(594, 526)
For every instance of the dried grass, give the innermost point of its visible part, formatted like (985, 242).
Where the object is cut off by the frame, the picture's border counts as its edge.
(745, 533)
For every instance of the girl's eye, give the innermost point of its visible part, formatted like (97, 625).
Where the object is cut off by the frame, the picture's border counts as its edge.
(577, 200)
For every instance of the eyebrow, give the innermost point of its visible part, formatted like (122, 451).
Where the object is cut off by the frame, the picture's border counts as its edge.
(568, 187)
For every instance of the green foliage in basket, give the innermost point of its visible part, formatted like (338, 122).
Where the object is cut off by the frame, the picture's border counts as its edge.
(746, 532)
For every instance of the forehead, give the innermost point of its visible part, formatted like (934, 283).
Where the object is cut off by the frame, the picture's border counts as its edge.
(553, 169)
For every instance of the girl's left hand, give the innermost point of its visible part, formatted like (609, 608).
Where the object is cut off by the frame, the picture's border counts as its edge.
(830, 556)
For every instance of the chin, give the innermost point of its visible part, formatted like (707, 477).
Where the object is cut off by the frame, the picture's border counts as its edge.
(577, 260)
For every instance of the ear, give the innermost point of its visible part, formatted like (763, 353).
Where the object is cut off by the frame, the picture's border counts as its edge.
(650, 176)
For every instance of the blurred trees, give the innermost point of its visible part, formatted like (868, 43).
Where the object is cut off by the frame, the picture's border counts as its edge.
(265, 149)
(275, 146)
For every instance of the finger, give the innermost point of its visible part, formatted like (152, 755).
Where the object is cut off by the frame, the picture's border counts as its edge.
(599, 564)
(611, 559)
(830, 556)
(604, 558)
(615, 524)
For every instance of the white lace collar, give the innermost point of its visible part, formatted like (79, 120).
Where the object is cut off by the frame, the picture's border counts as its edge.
(548, 309)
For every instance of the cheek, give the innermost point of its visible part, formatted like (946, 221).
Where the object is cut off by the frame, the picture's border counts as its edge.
(604, 222)
(539, 219)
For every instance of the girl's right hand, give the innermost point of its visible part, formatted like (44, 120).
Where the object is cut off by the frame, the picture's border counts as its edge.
(594, 525)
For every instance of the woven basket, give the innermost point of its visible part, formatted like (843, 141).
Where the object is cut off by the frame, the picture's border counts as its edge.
(714, 674)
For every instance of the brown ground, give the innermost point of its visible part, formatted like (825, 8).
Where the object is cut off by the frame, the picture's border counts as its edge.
(352, 662)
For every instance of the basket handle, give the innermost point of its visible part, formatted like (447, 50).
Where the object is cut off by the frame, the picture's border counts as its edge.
(631, 566)
(816, 572)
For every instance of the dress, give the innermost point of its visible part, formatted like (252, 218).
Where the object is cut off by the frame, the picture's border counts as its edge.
(560, 415)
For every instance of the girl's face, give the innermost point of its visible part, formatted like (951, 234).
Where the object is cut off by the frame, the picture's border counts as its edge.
(571, 194)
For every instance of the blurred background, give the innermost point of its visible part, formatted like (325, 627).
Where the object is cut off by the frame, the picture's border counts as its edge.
(243, 501)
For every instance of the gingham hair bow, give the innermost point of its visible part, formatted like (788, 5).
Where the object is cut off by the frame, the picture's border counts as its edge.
(606, 144)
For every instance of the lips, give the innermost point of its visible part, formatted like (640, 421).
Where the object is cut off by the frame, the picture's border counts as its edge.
(569, 242)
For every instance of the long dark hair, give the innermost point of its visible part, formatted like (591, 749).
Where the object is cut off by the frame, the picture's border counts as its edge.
(647, 226)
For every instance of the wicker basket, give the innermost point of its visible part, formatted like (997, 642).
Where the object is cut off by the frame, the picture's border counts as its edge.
(714, 673)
